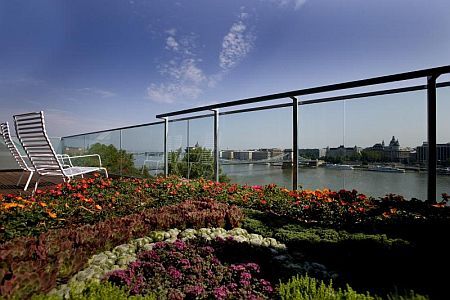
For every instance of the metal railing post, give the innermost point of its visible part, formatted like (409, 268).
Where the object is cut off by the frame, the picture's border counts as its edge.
(294, 143)
(187, 151)
(166, 148)
(120, 149)
(431, 122)
(216, 144)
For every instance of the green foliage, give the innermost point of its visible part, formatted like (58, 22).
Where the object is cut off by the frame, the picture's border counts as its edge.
(114, 160)
(291, 232)
(99, 291)
(307, 288)
(198, 162)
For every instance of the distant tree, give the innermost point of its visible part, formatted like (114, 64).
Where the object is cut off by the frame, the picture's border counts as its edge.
(114, 160)
(197, 163)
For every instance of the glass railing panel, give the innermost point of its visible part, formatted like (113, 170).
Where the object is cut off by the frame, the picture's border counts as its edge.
(107, 145)
(443, 142)
(176, 147)
(199, 154)
(387, 131)
(145, 147)
(57, 144)
(255, 147)
(74, 145)
(7, 161)
(321, 144)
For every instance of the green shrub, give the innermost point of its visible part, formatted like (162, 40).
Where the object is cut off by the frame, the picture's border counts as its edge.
(96, 291)
(307, 288)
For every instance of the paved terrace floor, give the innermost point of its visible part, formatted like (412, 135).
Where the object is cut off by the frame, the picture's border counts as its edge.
(9, 179)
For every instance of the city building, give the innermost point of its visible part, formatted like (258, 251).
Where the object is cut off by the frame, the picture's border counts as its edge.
(341, 151)
(442, 153)
(227, 154)
(390, 153)
(261, 154)
(312, 153)
(243, 154)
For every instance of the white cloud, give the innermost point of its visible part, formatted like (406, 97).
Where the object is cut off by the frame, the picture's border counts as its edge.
(96, 92)
(236, 44)
(186, 70)
(173, 92)
(297, 3)
(172, 44)
(184, 77)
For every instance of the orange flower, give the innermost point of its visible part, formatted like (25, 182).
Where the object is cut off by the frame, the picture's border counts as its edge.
(98, 207)
(51, 214)
(12, 205)
(42, 204)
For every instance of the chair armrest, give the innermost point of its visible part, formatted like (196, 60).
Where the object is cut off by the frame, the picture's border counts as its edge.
(62, 157)
(87, 155)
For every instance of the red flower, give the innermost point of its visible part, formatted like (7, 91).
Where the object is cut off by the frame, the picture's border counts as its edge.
(264, 202)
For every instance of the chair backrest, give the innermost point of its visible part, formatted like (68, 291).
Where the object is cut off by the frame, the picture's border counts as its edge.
(6, 134)
(30, 129)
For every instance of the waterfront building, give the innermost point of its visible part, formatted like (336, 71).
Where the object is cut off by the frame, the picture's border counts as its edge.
(227, 154)
(342, 152)
(442, 153)
(243, 154)
(261, 154)
(312, 153)
(390, 153)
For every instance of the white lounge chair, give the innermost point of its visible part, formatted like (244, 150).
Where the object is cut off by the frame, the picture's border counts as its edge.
(30, 129)
(6, 134)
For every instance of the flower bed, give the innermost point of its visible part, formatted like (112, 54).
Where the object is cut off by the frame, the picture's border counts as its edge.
(55, 232)
(190, 255)
(88, 201)
(58, 254)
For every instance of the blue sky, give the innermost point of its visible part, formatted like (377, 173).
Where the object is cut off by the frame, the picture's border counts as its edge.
(93, 65)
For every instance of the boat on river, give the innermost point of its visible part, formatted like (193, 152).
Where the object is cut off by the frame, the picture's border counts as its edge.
(338, 167)
(388, 169)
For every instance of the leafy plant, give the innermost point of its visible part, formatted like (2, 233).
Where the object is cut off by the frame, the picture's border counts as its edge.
(97, 291)
(307, 288)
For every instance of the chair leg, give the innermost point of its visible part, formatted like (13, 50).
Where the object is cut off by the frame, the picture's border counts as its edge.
(28, 181)
(106, 172)
(37, 183)
(20, 179)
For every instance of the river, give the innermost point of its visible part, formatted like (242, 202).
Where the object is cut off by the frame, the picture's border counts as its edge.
(375, 184)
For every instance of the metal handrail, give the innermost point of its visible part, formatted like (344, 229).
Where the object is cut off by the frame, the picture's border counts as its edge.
(316, 90)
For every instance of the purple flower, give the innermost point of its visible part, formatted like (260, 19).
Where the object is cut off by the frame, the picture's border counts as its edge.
(174, 273)
(195, 290)
(253, 266)
(220, 292)
(179, 245)
(246, 276)
(244, 282)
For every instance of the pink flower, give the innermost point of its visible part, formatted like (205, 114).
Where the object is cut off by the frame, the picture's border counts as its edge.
(174, 273)
(220, 292)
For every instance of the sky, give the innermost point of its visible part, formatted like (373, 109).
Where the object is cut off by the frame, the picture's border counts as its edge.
(94, 65)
